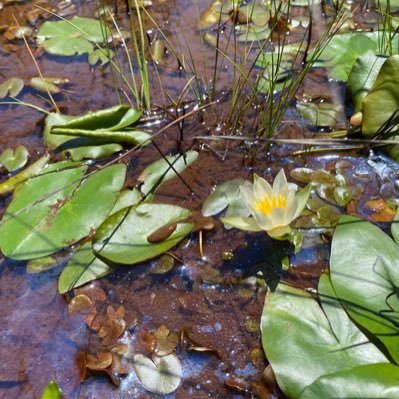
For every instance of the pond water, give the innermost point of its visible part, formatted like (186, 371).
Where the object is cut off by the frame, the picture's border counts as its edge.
(212, 303)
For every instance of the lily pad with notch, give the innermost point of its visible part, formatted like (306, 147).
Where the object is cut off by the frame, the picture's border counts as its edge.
(304, 341)
(14, 159)
(69, 37)
(364, 262)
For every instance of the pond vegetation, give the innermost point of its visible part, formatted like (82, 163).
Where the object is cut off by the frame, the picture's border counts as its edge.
(199, 199)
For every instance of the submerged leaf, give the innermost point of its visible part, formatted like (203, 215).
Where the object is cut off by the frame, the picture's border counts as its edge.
(14, 159)
(101, 55)
(122, 238)
(321, 114)
(11, 87)
(52, 391)
(161, 375)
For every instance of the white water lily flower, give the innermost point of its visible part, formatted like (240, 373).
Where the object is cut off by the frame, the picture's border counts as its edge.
(272, 208)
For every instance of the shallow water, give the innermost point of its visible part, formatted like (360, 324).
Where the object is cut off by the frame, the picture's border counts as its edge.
(41, 341)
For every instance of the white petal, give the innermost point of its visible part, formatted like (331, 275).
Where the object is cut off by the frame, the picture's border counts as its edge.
(263, 220)
(280, 185)
(249, 198)
(291, 208)
(302, 198)
(277, 217)
(262, 188)
(242, 223)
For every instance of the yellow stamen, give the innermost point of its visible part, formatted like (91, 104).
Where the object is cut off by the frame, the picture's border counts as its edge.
(266, 205)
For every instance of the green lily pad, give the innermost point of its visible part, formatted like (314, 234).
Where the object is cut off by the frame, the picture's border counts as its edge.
(32, 170)
(383, 98)
(104, 122)
(52, 391)
(54, 210)
(71, 37)
(364, 273)
(127, 198)
(83, 267)
(161, 375)
(379, 380)
(321, 114)
(164, 169)
(343, 49)
(227, 195)
(13, 160)
(123, 237)
(11, 87)
(304, 341)
(362, 77)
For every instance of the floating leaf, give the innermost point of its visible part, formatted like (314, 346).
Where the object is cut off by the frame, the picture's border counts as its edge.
(362, 77)
(122, 238)
(13, 160)
(101, 55)
(71, 37)
(379, 380)
(11, 87)
(227, 195)
(31, 171)
(41, 264)
(106, 125)
(164, 169)
(364, 276)
(383, 98)
(303, 341)
(343, 49)
(52, 211)
(52, 391)
(161, 375)
(321, 114)
(127, 198)
(83, 267)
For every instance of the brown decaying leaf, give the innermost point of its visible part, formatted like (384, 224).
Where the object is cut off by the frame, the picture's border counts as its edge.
(382, 212)
(93, 291)
(99, 362)
(81, 365)
(80, 304)
(166, 341)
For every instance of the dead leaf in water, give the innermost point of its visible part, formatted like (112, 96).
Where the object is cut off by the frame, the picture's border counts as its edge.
(166, 341)
(382, 211)
(99, 362)
(80, 304)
